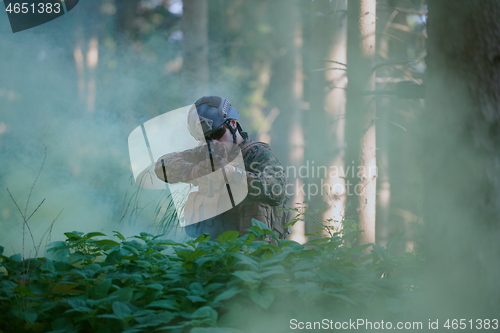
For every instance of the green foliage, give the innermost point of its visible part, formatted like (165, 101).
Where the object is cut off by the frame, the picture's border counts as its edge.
(232, 284)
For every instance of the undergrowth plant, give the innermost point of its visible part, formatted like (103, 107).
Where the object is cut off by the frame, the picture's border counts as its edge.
(232, 284)
(161, 210)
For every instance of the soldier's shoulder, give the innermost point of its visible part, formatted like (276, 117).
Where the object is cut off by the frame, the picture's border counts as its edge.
(255, 147)
(257, 144)
(259, 151)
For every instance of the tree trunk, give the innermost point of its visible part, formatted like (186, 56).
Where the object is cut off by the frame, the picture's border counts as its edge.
(325, 81)
(462, 159)
(285, 92)
(194, 50)
(394, 154)
(360, 162)
(285, 88)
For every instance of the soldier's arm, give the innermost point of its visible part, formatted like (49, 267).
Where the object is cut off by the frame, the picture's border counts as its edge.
(266, 178)
(177, 166)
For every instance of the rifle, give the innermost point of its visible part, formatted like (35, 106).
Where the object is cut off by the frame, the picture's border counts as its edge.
(215, 153)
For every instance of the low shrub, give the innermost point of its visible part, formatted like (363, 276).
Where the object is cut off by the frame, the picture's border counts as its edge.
(233, 284)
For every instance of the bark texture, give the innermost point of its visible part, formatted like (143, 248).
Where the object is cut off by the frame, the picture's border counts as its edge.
(361, 178)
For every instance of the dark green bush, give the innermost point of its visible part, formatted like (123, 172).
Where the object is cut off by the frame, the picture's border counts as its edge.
(146, 283)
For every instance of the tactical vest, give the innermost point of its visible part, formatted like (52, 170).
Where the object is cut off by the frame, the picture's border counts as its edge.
(238, 218)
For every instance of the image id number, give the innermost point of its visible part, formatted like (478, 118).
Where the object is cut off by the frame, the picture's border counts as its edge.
(40, 8)
(479, 324)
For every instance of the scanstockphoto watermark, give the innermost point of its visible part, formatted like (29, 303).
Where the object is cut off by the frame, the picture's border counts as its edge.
(310, 180)
(357, 324)
(365, 324)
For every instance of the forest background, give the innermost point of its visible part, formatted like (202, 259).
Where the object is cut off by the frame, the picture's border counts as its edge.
(73, 89)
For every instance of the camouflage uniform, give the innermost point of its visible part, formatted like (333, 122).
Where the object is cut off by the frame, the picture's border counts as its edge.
(266, 188)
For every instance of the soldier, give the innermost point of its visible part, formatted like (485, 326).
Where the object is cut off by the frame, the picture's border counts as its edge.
(264, 174)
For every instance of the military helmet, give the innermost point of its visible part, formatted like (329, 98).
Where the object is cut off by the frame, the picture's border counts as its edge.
(208, 114)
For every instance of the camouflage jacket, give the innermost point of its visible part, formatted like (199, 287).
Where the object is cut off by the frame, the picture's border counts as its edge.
(266, 187)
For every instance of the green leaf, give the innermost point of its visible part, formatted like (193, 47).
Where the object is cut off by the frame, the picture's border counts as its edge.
(63, 325)
(78, 305)
(202, 238)
(196, 254)
(155, 319)
(156, 286)
(75, 235)
(23, 290)
(48, 266)
(227, 236)
(121, 310)
(330, 246)
(305, 264)
(185, 291)
(7, 285)
(57, 244)
(101, 289)
(213, 286)
(170, 242)
(93, 234)
(318, 240)
(142, 313)
(351, 235)
(28, 314)
(263, 298)
(272, 271)
(379, 251)
(259, 224)
(163, 304)
(119, 235)
(244, 260)
(276, 259)
(39, 288)
(62, 266)
(47, 306)
(394, 240)
(123, 294)
(249, 239)
(1, 250)
(132, 249)
(114, 257)
(146, 235)
(197, 288)
(196, 299)
(359, 248)
(247, 276)
(6, 259)
(227, 294)
(102, 242)
(206, 312)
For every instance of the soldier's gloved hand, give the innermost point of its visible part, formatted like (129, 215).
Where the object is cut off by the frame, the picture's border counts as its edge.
(220, 162)
(219, 156)
(201, 169)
